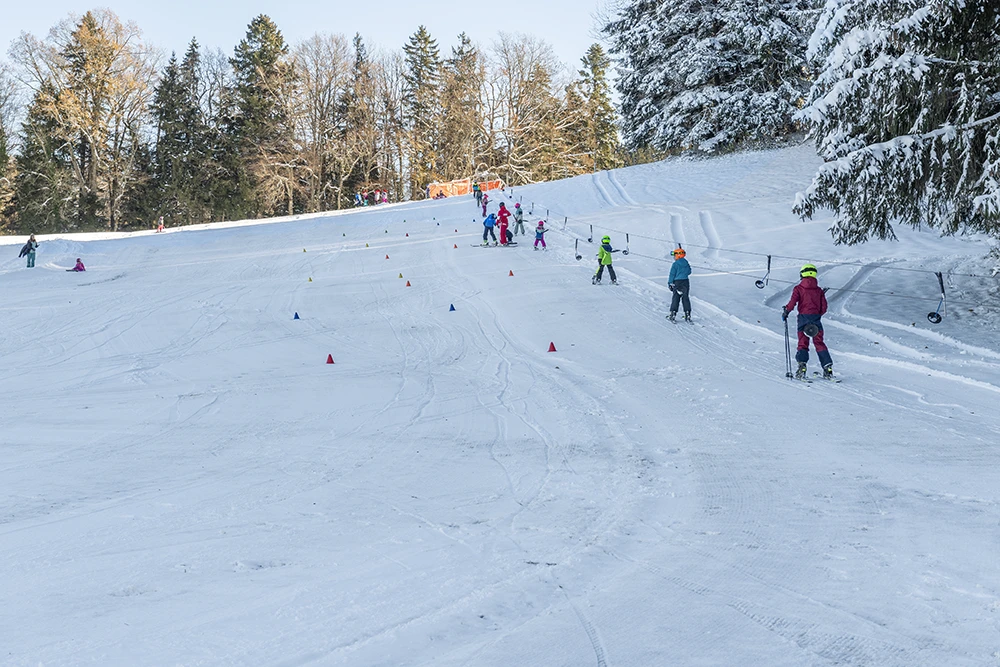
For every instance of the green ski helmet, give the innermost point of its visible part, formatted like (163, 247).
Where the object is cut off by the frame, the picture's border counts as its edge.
(606, 239)
(808, 271)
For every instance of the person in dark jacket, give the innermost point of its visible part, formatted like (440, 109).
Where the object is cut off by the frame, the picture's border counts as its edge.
(488, 224)
(29, 251)
(680, 284)
(810, 299)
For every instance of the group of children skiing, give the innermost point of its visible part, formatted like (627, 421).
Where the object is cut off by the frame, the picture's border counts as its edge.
(807, 297)
(501, 220)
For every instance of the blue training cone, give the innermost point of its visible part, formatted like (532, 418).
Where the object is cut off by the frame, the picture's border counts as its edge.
(452, 309)
(296, 316)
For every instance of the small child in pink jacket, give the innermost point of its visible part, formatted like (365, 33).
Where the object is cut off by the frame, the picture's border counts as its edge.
(79, 266)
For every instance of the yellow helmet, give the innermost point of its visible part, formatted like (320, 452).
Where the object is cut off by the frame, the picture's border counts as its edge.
(808, 271)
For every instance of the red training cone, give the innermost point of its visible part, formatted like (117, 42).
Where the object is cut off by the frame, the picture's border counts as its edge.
(387, 256)
(329, 358)
(407, 283)
(407, 234)
(552, 347)
(456, 245)
(511, 273)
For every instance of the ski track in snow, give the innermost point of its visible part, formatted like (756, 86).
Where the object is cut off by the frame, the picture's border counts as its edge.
(677, 228)
(185, 481)
(622, 192)
(708, 227)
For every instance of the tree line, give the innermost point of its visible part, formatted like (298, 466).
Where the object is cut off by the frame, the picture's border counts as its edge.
(901, 98)
(97, 133)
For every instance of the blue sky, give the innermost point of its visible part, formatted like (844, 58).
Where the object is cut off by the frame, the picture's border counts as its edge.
(567, 25)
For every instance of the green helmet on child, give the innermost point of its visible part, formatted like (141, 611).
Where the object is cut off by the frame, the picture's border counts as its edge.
(808, 271)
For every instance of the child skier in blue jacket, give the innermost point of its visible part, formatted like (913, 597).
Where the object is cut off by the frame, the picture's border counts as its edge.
(488, 224)
(680, 284)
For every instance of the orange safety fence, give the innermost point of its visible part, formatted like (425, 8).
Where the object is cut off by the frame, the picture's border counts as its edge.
(460, 187)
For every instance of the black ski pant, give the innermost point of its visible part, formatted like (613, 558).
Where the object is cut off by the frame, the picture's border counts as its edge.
(681, 295)
(489, 230)
(611, 271)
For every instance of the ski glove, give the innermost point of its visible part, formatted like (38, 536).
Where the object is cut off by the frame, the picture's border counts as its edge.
(784, 314)
(671, 287)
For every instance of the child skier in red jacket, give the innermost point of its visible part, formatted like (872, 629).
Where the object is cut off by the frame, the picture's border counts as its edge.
(811, 301)
(504, 217)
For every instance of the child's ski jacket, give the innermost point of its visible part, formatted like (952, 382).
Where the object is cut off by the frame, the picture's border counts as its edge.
(680, 270)
(809, 297)
(604, 254)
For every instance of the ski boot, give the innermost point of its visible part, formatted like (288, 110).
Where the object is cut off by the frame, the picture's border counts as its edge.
(828, 372)
(485, 244)
(595, 281)
(800, 374)
(672, 317)
(614, 281)
(687, 317)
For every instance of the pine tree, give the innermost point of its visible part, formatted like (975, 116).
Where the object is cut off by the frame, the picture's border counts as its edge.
(709, 74)
(179, 160)
(907, 116)
(168, 170)
(595, 130)
(461, 132)
(43, 190)
(261, 126)
(422, 108)
(357, 154)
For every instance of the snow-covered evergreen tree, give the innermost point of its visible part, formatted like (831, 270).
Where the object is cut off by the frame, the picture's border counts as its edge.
(906, 112)
(709, 74)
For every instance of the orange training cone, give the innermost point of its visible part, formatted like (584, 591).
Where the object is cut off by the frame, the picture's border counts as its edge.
(456, 245)
(329, 358)
(407, 283)
(387, 256)
(552, 347)
(511, 273)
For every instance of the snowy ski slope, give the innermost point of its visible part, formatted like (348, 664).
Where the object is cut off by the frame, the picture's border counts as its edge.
(184, 481)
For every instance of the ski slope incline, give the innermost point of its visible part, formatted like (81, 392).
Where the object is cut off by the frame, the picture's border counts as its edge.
(184, 481)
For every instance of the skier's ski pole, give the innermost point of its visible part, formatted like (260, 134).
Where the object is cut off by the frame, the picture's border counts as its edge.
(788, 353)
(576, 248)
(590, 239)
(625, 252)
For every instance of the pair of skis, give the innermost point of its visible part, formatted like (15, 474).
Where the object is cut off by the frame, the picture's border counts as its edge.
(818, 376)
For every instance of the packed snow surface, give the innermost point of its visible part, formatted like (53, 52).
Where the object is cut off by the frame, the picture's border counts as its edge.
(185, 481)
